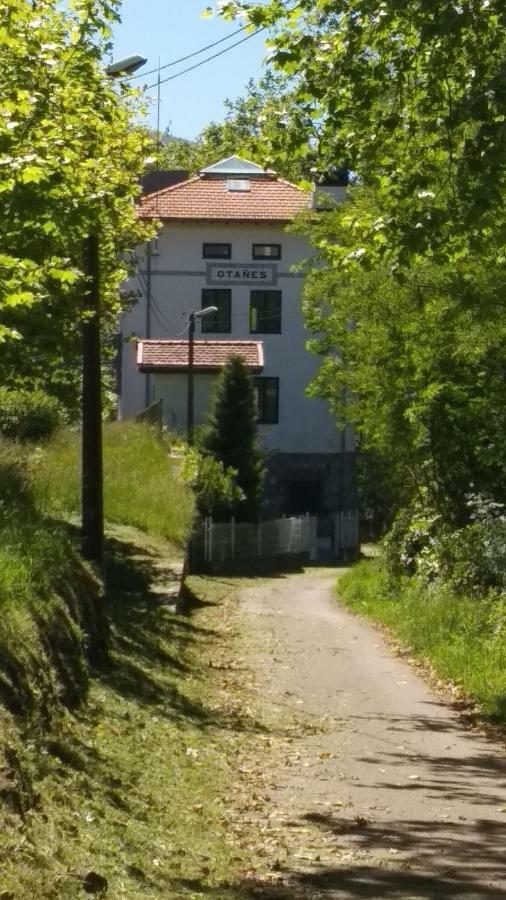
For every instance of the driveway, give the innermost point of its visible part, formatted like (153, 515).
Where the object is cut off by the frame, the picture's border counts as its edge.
(381, 792)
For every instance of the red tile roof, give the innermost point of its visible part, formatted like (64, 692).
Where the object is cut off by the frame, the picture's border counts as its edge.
(207, 198)
(209, 356)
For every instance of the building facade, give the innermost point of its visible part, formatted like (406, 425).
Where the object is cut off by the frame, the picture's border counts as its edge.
(223, 243)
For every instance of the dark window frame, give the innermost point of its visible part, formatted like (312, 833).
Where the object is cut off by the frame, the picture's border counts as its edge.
(256, 255)
(208, 324)
(264, 327)
(265, 416)
(206, 254)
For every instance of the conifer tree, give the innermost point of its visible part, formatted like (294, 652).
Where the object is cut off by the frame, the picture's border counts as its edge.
(230, 435)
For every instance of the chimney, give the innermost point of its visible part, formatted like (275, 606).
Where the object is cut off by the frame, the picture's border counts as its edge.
(330, 189)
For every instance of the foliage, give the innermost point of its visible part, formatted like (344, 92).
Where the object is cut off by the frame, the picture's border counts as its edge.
(420, 365)
(410, 95)
(469, 559)
(230, 435)
(380, 494)
(264, 126)
(214, 487)
(28, 416)
(70, 157)
(142, 487)
(461, 636)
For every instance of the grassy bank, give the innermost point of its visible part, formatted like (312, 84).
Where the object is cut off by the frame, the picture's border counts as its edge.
(141, 483)
(463, 638)
(132, 791)
(129, 790)
(52, 622)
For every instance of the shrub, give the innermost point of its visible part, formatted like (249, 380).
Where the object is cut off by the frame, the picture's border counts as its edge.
(28, 415)
(215, 488)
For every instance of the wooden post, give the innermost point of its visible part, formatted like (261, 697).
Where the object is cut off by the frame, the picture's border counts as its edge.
(232, 537)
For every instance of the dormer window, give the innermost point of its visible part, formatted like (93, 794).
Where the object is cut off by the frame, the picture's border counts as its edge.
(238, 185)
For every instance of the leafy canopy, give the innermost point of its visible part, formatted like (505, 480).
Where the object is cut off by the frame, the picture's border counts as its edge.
(410, 95)
(70, 156)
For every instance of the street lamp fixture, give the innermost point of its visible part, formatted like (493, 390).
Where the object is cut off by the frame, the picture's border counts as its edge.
(125, 66)
(199, 314)
(92, 487)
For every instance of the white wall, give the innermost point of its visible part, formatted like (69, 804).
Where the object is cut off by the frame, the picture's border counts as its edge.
(178, 277)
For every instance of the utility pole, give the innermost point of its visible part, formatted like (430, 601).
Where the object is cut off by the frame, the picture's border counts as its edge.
(92, 476)
(92, 503)
(189, 413)
(209, 310)
(149, 255)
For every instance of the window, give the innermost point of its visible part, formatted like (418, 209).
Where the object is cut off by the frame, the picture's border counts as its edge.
(266, 251)
(217, 251)
(267, 396)
(219, 321)
(265, 312)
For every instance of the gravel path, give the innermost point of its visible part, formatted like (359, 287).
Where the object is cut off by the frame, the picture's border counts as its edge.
(392, 796)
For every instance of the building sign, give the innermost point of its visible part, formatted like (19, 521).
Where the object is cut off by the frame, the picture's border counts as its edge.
(255, 274)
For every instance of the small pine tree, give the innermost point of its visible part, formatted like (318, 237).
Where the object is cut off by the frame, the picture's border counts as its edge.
(230, 435)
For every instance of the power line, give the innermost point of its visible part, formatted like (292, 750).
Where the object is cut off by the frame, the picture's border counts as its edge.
(175, 62)
(206, 60)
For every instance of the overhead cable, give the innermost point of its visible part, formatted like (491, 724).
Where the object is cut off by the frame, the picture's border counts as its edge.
(206, 60)
(175, 62)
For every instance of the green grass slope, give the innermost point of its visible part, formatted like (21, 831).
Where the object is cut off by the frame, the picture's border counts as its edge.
(142, 487)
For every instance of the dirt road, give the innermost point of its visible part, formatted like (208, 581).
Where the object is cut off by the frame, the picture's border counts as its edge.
(382, 792)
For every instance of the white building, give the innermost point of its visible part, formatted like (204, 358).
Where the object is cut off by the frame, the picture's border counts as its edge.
(223, 243)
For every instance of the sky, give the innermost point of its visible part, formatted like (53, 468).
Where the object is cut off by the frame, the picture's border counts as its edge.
(170, 29)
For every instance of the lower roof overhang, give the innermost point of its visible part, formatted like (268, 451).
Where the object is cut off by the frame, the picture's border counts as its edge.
(172, 356)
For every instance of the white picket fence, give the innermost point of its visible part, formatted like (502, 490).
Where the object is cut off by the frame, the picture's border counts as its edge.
(225, 542)
(222, 541)
(346, 533)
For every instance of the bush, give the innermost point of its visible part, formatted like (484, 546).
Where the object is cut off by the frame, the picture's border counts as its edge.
(470, 558)
(28, 415)
(215, 488)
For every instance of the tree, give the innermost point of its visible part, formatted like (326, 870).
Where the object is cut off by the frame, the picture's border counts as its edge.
(411, 95)
(70, 158)
(264, 125)
(230, 435)
(416, 362)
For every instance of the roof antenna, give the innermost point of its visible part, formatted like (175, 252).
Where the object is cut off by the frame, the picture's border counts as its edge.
(159, 103)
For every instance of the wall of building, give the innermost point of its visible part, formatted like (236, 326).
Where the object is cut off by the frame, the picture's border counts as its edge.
(178, 275)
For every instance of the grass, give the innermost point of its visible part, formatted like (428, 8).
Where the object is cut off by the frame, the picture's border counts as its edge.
(51, 617)
(130, 789)
(463, 638)
(136, 785)
(141, 484)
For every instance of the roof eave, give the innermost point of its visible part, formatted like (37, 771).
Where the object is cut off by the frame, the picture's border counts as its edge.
(152, 369)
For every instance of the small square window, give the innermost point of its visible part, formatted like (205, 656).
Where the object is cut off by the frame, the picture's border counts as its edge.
(217, 251)
(219, 322)
(265, 312)
(266, 251)
(267, 398)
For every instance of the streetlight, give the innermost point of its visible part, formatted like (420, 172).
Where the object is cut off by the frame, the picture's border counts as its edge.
(92, 481)
(191, 333)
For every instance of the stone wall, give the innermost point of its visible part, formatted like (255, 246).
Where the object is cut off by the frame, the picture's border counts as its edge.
(318, 483)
